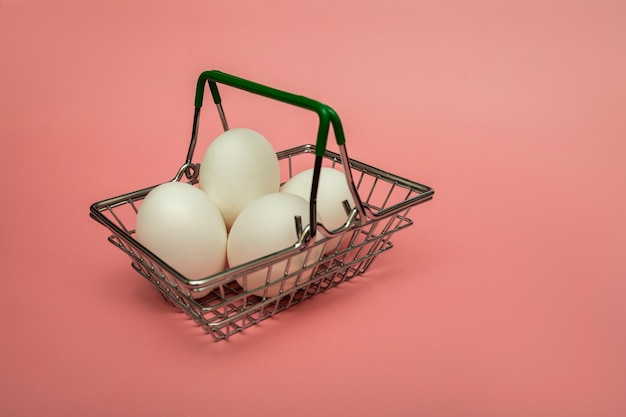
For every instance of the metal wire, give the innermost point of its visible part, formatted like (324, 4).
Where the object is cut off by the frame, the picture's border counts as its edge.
(321, 259)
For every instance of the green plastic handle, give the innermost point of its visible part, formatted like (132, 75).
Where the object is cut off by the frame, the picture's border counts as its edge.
(326, 114)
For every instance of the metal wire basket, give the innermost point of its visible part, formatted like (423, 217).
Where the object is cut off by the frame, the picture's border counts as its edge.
(382, 204)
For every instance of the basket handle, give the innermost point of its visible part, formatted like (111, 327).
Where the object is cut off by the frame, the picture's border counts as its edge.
(327, 116)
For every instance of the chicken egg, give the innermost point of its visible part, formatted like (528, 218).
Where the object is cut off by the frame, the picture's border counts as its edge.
(331, 192)
(180, 224)
(238, 166)
(266, 226)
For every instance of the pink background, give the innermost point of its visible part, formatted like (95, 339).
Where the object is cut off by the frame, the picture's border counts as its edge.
(505, 299)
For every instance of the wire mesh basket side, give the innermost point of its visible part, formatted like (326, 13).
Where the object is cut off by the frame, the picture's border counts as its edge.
(229, 307)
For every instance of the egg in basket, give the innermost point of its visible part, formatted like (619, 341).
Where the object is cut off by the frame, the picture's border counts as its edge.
(229, 245)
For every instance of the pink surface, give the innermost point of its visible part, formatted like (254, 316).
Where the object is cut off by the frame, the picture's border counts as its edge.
(505, 299)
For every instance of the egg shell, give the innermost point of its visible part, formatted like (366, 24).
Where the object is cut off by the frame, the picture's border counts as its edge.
(264, 227)
(331, 192)
(238, 166)
(182, 226)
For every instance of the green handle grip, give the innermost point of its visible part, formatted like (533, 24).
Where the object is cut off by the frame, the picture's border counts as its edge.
(327, 115)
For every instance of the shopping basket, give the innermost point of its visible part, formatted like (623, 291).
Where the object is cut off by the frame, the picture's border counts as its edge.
(382, 202)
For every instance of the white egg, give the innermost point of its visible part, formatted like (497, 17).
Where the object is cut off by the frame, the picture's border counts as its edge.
(266, 226)
(239, 166)
(332, 190)
(182, 226)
